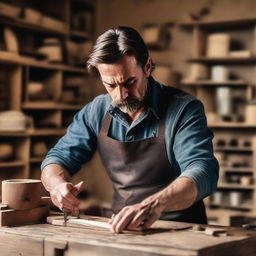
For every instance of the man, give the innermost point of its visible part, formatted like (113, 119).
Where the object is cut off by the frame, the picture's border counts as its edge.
(153, 141)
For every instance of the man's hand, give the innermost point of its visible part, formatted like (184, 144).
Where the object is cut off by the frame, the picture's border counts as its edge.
(138, 216)
(64, 196)
(178, 195)
(63, 193)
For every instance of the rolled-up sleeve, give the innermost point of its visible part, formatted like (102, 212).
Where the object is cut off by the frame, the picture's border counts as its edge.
(193, 149)
(77, 146)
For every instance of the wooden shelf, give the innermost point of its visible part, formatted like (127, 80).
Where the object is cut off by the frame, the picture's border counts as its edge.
(14, 58)
(236, 83)
(224, 60)
(23, 24)
(50, 105)
(240, 207)
(222, 23)
(238, 149)
(26, 66)
(235, 186)
(238, 169)
(36, 159)
(36, 132)
(47, 132)
(80, 34)
(13, 134)
(205, 90)
(17, 163)
(232, 125)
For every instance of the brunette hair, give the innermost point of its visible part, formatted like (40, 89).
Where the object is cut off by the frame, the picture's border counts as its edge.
(115, 43)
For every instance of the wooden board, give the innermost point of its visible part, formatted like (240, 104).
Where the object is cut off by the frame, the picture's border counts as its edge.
(74, 241)
(102, 224)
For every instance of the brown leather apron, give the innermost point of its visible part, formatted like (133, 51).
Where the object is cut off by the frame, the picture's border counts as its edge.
(139, 169)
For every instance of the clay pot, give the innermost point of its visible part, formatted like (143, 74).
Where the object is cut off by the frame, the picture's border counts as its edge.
(35, 89)
(12, 120)
(21, 194)
(39, 148)
(6, 151)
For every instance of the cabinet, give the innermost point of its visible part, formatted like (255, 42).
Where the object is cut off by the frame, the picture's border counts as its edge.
(43, 47)
(222, 76)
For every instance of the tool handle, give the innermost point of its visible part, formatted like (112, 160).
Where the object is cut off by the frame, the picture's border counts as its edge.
(46, 199)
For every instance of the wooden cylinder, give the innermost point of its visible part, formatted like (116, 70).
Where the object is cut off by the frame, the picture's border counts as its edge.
(218, 45)
(21, 194)
(250, 114)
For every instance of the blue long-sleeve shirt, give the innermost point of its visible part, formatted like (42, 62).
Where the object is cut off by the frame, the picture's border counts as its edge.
(187, 137)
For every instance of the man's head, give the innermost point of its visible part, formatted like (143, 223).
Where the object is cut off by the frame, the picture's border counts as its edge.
(122, 60)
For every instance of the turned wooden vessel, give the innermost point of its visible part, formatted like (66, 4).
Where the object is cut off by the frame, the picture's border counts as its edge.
(21, 194)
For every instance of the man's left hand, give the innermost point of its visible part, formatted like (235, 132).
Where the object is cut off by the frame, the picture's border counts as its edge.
(137, 216)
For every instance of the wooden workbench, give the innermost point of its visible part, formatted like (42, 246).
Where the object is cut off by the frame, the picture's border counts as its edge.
(165, 238)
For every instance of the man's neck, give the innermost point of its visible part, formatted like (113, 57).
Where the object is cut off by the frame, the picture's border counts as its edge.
(134, 116)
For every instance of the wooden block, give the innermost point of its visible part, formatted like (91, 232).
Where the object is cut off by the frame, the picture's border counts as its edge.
(10, 217)
(212, 231)
(4, 207)
(198, 227)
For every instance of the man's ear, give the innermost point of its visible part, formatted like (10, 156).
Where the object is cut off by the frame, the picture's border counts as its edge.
(148, 67)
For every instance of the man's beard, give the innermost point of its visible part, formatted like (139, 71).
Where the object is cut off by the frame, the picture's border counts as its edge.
(130, 105)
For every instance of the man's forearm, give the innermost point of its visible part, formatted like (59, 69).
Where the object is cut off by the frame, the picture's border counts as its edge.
(179, 195)
(54, 174)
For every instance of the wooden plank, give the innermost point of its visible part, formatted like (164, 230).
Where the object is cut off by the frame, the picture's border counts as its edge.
(75, 222)
(102, 223)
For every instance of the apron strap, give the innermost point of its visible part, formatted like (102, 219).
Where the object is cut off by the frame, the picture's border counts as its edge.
(106, 124)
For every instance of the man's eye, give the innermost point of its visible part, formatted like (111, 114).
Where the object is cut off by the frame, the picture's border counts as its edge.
(110, 86)
(130, 83)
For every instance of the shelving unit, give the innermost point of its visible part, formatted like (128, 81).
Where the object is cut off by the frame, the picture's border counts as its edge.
(234, 141)
(65, 86)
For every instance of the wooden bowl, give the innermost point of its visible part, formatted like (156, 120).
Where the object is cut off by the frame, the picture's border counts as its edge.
(35, 88)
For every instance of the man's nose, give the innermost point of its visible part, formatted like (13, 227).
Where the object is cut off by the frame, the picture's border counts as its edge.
(123, 92)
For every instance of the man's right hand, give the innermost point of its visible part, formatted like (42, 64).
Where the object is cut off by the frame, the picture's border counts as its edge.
(64, 196)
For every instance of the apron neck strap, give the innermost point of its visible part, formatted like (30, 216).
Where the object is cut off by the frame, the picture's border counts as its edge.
(106, 124)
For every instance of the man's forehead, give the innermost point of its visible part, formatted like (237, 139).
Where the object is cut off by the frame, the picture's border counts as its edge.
(125, 63)
(119, 71)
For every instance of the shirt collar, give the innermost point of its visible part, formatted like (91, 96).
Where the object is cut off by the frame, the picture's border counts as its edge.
(152, 99)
